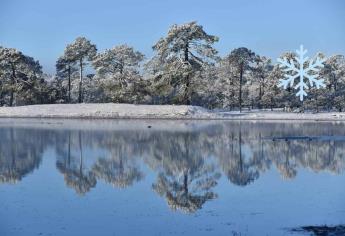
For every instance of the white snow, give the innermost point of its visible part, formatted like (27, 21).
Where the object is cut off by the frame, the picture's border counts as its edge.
(129, 111)
(102, 110)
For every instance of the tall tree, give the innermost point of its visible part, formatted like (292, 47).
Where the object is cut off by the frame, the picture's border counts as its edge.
(334, 74)
(81, 51)
(227, 83)
(64, 68)
(119, 70)
(241, 59)
(20, 74)
(179, 55)
(261, 71)
(272, 94)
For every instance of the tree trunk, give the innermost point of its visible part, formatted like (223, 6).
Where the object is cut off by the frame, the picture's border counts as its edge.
(271, 104)
(260, 96)
(240, 94)
(13, 78)
(187, 96)
(187, 79)
(302, 107)
(80, 98)
(122, 79)
(69, 83)
(231, 84)
(1, 97)
(185, 183)
(261, 91)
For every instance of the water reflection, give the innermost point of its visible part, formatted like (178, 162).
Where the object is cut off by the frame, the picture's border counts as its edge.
(185, 177)
(71, 166)
(188, 159)
(119, 168)
(238, 161)
(20, 153)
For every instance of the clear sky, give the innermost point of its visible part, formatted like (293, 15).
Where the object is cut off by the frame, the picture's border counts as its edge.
(42, 28)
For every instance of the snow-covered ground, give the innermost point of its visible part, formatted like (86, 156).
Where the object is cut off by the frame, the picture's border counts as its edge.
(111, 110)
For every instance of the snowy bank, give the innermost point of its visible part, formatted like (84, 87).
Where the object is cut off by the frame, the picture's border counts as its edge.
(131, 111)
(106, 110)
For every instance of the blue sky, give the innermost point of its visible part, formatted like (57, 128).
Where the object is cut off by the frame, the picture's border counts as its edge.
(42, 28)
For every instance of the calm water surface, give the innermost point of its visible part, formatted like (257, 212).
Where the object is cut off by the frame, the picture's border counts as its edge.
(141, 177)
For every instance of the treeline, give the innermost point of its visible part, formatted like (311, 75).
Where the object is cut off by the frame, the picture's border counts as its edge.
(185, 69)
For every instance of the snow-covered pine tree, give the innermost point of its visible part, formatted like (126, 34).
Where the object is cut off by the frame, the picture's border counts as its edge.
(227, 84)
(21, 78)
(57, 92)
(261, 70)
(207, 88)
(182, 53)
(65, 67)
(80, 51)
(241, 59)
(272, 97)
(118, 71)
(334, 75)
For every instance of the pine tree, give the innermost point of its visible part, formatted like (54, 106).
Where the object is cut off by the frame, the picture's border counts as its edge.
(261, 70)
(20, 76)
(273, 95)
(80, 51)
(179, 56)
(334, 75)
(227, 84)
(118, 70)
(241, 59)
(65, 67)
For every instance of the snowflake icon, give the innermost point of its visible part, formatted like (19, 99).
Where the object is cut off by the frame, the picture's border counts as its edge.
(305, 70)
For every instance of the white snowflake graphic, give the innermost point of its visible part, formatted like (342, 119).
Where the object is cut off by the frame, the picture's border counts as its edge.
(309, 72)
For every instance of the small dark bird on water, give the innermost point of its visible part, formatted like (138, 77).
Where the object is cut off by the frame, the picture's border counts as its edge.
(149, 126)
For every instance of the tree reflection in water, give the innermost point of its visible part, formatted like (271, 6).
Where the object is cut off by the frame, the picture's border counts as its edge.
(119, 169)
(187, 161)
(73, 170)
(185, 178)
(239, 167)
(20, 153)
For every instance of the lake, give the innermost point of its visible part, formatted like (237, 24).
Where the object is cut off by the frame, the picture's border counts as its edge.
(165, 177)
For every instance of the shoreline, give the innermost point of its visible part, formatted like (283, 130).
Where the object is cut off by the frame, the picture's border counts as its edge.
(156, 112)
